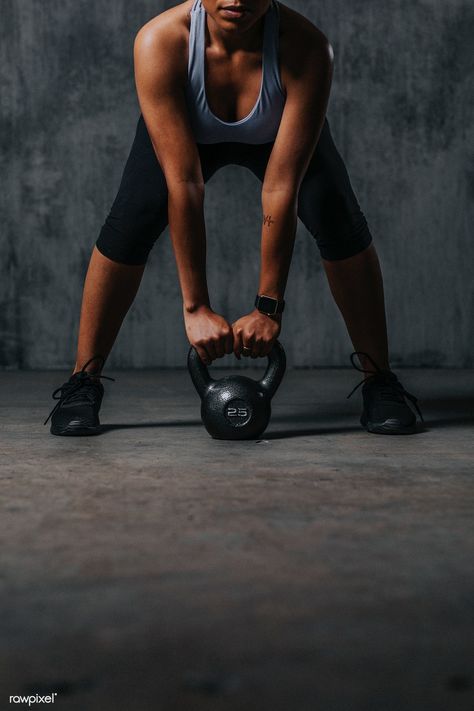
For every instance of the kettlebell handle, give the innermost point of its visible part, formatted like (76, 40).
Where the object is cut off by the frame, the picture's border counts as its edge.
(275, 369)
(269, 383)
(198, 372)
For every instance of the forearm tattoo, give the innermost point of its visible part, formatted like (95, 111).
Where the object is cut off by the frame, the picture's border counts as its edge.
(267, 220)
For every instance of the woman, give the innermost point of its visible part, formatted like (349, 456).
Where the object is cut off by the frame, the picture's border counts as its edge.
(221, 82)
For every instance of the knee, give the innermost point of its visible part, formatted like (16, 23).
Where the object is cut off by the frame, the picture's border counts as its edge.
(335, 220)
(120, 246)
(129, 236)
(347, 242)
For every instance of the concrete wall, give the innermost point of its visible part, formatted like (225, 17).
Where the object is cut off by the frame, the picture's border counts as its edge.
(401, 117)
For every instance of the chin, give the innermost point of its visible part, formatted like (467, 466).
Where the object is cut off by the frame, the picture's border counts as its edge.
(232, 25)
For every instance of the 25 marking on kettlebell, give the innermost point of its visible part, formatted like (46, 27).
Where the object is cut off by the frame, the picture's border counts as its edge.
(237, 412)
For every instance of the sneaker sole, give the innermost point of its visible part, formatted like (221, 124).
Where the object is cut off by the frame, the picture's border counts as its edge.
(391, 427)
(76, 431)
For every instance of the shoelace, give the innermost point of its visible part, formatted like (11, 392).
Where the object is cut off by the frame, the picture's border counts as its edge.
(70, 391)
(393, 389)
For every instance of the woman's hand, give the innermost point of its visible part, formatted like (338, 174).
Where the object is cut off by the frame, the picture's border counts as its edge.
(210, 334)
(255, 332)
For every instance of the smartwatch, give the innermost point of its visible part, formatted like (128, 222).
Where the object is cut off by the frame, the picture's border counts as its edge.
(268, 305)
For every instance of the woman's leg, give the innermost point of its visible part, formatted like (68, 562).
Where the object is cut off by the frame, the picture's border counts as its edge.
(330, 210)
(357, 287)
(138, 216)
(136, 219)
(109, 291)
(328, 207)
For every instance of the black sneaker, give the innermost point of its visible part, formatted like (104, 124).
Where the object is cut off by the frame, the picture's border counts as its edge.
(385, 409)
(77, 412)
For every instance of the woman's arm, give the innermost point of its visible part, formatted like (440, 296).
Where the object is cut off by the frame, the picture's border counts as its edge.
(159, 50)
(188, 236)
(306, 71)
(158, 69)
(307, 68)
(278, 238)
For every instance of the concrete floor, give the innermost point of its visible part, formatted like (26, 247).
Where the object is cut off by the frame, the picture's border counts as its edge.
(322, 568)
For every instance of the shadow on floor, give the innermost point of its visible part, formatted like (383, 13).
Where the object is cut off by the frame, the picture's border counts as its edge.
(145, 425)
(309, 432)
(449, 411)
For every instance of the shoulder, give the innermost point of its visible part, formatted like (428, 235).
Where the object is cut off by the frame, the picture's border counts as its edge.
(163, 40)
(303, 46)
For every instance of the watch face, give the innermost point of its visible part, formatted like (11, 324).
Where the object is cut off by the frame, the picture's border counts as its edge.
(269, 305)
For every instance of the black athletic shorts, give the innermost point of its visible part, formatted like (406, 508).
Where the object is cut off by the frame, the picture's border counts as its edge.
(327, 205)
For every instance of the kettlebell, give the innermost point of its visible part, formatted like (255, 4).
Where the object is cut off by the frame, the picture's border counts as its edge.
(237, 407)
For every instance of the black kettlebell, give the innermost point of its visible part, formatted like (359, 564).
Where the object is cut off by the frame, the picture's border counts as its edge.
(237, 407)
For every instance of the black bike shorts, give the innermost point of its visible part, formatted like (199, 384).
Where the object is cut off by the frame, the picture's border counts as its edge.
(327, 205)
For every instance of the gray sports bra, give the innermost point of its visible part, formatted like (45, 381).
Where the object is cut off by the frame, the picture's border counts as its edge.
(261, 124)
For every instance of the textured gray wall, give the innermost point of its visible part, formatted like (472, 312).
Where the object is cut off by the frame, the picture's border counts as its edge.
(401, 116)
